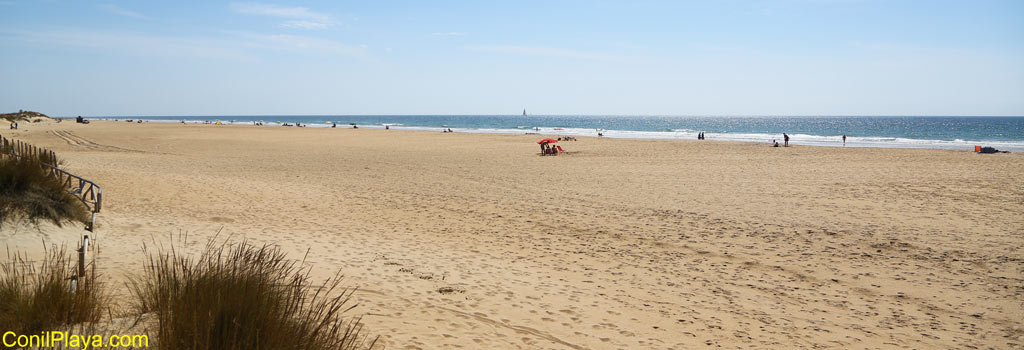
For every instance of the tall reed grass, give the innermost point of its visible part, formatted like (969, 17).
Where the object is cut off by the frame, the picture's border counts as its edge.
(243, 296)
(28, 192)
(34, 300)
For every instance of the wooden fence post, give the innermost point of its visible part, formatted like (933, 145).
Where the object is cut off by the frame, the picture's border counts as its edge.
(81, 262)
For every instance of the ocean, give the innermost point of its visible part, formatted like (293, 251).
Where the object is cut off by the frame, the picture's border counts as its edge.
(1003, 133)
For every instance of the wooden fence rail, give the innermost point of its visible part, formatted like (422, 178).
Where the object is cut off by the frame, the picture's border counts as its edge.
(84, 190)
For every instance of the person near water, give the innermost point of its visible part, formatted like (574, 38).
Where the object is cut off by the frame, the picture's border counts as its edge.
(844, 140)
(785, 138)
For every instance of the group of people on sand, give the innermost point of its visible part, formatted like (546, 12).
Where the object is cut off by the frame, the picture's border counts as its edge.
(785, 137)
(700, 136)
(549, 149)
(566, 138)
(785, 140)
(447, 130)
(14, 125)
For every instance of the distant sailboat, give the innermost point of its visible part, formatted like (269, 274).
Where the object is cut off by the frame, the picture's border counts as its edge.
(524, 112)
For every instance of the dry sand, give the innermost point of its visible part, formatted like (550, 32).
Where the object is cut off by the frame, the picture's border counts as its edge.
(640, 244)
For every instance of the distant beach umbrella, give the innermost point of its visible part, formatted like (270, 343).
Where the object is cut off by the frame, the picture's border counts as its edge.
(547, 141)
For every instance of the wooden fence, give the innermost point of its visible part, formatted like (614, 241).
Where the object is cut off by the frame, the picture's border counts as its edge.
(84, 190)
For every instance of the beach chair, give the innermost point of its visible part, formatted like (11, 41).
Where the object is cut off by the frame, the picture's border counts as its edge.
(560, 149)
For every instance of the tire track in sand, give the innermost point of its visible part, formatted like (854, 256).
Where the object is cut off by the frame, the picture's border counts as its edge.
(78, 141)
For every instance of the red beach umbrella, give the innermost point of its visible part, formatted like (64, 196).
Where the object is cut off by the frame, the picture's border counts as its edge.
(547, 141)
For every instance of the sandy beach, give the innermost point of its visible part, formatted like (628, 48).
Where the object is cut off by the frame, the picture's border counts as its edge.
(475, 241)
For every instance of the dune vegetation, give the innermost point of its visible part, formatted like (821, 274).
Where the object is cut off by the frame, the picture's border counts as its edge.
(39, 297)
(28, 192)
(28, 116)
(242, 296)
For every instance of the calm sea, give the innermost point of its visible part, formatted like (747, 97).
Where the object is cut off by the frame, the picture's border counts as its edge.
(1004, 133)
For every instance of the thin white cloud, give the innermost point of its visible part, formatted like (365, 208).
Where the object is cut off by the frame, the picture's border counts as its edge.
(121, 11)
(546, 52)
(135, 44)
(292, 43)
(230, 46)
(448, 33)
(305, 25)
(889, 46)
(299, 17)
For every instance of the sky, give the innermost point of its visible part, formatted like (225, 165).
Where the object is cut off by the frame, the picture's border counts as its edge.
(690, 58)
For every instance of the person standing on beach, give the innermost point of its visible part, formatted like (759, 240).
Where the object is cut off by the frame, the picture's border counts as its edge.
(786, 139)
(844, 140)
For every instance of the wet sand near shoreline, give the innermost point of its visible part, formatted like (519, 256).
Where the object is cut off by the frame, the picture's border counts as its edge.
(475, 241)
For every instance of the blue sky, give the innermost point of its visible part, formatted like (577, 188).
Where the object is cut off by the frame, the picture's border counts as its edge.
(784, 57)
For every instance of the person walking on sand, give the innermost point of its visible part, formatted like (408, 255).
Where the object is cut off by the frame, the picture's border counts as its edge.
(844, 140)
(785, 138)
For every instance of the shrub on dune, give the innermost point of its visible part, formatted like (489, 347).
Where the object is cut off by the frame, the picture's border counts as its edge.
(243, 297)
(32, 301)
(27, 191)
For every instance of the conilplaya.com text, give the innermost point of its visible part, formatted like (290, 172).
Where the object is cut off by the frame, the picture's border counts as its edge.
(68, 340)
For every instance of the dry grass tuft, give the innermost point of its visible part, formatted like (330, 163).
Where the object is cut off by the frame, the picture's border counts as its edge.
(32, 301)
(28, 192)
(244, 297)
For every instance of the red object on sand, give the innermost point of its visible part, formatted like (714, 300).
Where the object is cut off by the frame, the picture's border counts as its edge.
(547, 141)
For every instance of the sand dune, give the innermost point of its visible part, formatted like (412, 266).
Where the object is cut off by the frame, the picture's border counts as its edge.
(474, 241)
